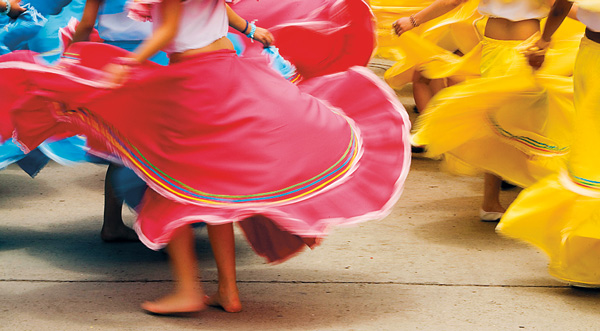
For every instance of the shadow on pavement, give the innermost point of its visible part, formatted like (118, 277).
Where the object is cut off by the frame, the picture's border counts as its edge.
(78, 248)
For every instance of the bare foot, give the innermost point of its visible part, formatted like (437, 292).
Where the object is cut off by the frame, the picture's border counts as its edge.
(120, 233)
(179, 303)
(230, 303)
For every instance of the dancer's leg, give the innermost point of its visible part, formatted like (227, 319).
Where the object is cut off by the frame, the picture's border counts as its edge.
(188, 295)
(491, 194)
(223, 246)
(437, 85)
(113, 228)
(421, 90)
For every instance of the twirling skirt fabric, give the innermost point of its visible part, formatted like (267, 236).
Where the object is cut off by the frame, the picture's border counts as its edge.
(431, 48)
(319, 37)
(511, 122)
(37, 29)
(560, 57)
(219, 138)
(441, 37)
(339, 32)
(561, 213)
(64, 148)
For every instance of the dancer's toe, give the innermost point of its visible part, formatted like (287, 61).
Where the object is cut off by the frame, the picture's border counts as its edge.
(175, 305)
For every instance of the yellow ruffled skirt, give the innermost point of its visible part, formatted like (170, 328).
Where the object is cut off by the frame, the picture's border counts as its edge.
(430, 49)
(561, 213)
(511, 122)
(439, 37)
(560, 58)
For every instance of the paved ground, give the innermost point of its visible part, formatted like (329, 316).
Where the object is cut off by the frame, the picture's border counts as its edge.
(430, 265)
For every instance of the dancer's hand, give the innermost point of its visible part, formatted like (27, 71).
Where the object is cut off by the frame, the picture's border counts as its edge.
(264, 36)
(117, 74)
(15, 9)
(536, 60)
(402, 25)
(536, 54)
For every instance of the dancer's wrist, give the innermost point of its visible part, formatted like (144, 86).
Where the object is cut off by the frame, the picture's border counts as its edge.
(246, 28)
(11, 9)
(4, 7)
(128, 61)
(414, 21)
(544, 42)
(251, 30)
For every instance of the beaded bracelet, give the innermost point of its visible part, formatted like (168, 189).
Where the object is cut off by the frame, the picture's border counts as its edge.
(413, 21)
(246, 28)
(7, 10)
(252, 30)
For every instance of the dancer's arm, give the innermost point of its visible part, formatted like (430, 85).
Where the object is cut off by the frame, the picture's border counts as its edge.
(572, 13)
(434, 10)
(560, 10)
(161, 37)
(164, 34)
(88, 20)
(240, 24)
(15, 8)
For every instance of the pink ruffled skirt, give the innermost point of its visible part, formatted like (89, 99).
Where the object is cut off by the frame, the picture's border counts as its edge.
(219, 138)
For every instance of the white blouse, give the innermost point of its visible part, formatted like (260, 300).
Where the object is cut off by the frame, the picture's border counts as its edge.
(117, 26)
(201, 23)
(589, 18)
(120, 27)
(514, 10)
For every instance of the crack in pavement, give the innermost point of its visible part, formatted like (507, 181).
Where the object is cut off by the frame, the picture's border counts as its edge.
(289, 282)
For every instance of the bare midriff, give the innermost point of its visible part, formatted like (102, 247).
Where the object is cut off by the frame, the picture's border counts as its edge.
(503, 29)
(222, 43)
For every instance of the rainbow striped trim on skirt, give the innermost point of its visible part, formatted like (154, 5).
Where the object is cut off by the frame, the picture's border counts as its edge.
(528, 142)
(134, 159)
(584, 182)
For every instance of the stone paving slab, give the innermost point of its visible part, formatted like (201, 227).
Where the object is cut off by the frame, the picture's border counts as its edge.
(306, 306)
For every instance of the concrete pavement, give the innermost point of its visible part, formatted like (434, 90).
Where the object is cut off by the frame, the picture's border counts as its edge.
(430, 265)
